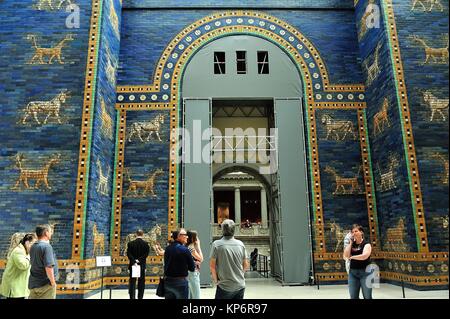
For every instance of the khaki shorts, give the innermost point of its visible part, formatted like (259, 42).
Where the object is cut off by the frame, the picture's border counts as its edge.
(44, 292)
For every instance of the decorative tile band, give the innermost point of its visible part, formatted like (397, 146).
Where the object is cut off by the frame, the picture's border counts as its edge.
(86, 132)
(416, 280)
(406, 256)
(408, 139)
(118, 184)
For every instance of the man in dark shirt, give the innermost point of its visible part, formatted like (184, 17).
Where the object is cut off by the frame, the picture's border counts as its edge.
(177, 261)
(44, 268)
(137, 252)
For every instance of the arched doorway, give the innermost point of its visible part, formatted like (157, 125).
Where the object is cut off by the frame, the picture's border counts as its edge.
(248, 75)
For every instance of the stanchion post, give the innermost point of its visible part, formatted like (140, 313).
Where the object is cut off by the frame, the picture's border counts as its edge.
(403, 289)
(317, 281)
(101, 288)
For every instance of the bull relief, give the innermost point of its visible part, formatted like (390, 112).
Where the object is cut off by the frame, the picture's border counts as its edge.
(50, 109)
(338, 129)
(395, 237)
(152, 127)
(436, 106)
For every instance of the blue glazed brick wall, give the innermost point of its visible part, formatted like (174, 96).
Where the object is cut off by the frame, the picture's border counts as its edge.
(142, 160)
(430, 137)
(21, 83)
(348, 206)
(146, 33)
(103, 143)
(239, 3)
(392, 203)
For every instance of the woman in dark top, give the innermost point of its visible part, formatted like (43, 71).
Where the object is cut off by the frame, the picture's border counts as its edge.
(358, 252)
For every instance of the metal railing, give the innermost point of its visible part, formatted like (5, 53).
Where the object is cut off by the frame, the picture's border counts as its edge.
(254, 231)
(234, 143)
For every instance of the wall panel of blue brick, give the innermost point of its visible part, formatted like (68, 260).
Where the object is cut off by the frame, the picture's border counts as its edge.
(239, 3)
(430, 136)
(103, 143)
(22, 209)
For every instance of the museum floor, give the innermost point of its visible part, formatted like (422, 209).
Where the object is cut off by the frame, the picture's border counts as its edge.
(268, 288)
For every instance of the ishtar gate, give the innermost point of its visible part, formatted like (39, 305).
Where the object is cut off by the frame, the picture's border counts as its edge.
(296, 119)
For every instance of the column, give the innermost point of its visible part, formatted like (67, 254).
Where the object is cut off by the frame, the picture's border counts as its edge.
(263, 208)
(237, 206)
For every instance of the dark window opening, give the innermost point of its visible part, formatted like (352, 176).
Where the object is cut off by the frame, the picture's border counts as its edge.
(241, 62)
(263, 62)
(222, 199)
(219, 62)
(251, 206)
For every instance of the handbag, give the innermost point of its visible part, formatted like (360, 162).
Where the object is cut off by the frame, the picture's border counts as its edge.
(160, 288)
(135, 271)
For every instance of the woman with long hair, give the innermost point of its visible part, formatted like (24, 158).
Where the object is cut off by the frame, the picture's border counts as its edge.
(358, 252)
(193, 245)
(17, 271)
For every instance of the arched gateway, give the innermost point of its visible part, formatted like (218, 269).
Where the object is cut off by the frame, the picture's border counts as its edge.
(248, 70)
(246, 87)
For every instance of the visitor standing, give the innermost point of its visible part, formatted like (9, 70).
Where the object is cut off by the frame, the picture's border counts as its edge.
(44, 266)
(193, 244)
(137, 253)
(17, 272)
(178, 261)
(358, 252)
(228, 264)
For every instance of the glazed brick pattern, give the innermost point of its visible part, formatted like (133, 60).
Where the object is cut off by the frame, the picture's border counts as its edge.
(430, 136)
(99, 204)
(146, 33)
(21, 83)
(147, 211)
(344, 156)
(239, 3)
(392, 204)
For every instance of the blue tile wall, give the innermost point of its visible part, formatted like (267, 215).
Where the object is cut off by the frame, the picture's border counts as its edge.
(239, 3)
(146, 33)
(21, 83)
(102, 153)
(142, 159)
(392, 204)
(344, 156)
(430, 137)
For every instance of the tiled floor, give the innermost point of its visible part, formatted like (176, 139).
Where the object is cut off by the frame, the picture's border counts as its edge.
(261, 288)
